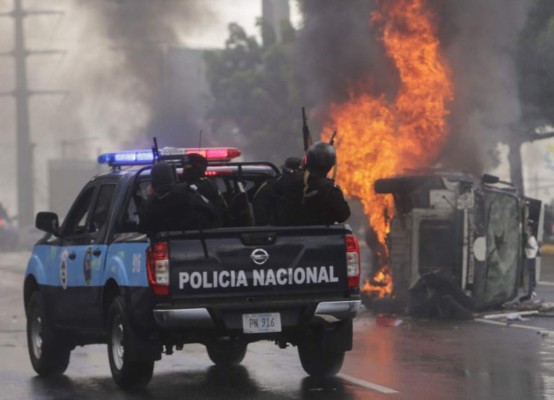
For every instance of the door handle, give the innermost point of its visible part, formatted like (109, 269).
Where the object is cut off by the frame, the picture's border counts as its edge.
(96, 252)
(72, 256)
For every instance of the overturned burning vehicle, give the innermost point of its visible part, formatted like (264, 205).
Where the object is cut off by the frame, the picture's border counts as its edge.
(456, 243)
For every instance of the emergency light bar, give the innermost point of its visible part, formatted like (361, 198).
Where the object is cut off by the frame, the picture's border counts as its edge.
(140, 157)
(146, 157)
(211, 153)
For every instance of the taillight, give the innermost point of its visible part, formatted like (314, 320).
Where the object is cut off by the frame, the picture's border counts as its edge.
(352, 261)
(158, 267)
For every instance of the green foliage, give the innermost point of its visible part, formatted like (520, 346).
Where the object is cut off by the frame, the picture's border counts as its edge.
(254, 87)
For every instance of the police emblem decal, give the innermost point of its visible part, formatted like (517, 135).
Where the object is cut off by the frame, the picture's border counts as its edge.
(259, 256)
(87, 266)
(63, 268)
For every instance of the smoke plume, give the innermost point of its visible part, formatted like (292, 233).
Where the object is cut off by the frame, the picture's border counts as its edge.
(111, 66)
(339, 47)
(140, 33)
(480, 41)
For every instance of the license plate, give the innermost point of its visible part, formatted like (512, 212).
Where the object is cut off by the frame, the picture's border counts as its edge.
(261, 323)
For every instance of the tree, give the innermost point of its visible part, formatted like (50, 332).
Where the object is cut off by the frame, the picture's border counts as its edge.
(256, 89)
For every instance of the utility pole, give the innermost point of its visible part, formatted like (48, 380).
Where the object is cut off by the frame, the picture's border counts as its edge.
(25, 180)
(25, 190)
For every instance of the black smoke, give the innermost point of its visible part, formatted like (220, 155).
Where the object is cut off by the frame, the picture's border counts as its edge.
(339, 47)
(142, 35)
(480, 40)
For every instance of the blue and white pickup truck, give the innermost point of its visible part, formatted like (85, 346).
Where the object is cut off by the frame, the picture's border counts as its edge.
(97, 279)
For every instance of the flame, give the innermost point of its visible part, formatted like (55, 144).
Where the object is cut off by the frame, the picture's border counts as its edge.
(379, 138)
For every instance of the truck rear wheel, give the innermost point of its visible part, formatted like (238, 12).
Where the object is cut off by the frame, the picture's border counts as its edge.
(226, 353)
(128, 370)
(318, 361)
(49, 355)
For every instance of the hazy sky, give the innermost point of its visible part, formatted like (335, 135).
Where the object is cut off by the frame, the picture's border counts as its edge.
(243, 12)
(88, 52)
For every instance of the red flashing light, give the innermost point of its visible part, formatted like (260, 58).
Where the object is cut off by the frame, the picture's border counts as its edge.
(157, 259)
(216, 153)
(352, 260)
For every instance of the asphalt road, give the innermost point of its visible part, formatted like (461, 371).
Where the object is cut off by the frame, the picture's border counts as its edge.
(405, 360)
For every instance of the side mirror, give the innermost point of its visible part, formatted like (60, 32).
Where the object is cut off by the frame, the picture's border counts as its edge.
(490, 179)
(47, 222)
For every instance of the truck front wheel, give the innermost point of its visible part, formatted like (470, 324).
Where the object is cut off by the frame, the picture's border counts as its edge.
(226, 353)
(49, 355)
(128, 369)
(318, 361)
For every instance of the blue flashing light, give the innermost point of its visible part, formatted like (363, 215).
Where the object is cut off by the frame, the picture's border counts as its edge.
(138, 157)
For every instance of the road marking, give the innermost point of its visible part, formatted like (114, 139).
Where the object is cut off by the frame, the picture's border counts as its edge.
(509, 325)
(366, 384)
(545, 283)
(509, 314)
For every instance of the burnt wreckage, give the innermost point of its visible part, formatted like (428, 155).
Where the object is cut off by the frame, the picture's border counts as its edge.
(456, 242)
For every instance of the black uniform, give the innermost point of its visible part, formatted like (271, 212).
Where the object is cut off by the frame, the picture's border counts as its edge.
(207, 188)
(264, 204)
(174, 206)
(307, 199)
(266, 199)
(194, 170)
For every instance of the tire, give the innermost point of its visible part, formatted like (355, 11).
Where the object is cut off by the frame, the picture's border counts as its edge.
(226, 353)
(317, 361)
(48, 353)
(127, 372)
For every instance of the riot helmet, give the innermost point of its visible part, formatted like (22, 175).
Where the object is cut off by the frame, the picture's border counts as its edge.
(163, 177)
(320, 158)
(292, 164)
(194, 167)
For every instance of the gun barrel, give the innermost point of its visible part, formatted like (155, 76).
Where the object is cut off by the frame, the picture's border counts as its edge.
(155, 150)
(332, 140)
(305, 131)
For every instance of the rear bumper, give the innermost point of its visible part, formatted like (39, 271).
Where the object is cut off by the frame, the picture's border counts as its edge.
(334, 311)
(183, 318)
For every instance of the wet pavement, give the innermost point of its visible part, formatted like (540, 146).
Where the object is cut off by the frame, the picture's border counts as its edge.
(403, 360)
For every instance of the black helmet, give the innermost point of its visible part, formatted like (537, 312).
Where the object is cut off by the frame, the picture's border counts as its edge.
(194, 167)
(163, 177)
(320, 158)
(292, 164)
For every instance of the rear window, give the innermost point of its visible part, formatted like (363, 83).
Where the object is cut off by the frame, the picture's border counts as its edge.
(226, 180)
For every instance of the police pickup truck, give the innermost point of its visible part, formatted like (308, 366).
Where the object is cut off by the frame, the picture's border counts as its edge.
(97, 279)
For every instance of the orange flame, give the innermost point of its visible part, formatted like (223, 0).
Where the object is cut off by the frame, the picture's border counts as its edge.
(379, 138)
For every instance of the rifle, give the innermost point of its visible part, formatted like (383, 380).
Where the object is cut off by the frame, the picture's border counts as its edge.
(306, 135)
(332, 140)
(332, 143)
(155, 151)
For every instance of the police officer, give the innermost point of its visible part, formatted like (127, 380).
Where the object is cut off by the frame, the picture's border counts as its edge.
(194, 174)
(308, 197)
(173, 206)
(265, 200)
